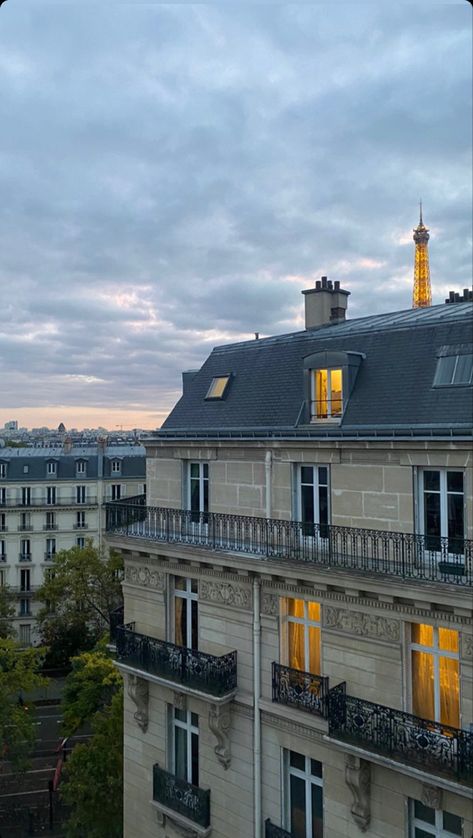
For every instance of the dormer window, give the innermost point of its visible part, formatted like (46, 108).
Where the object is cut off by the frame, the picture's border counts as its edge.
(454, 369)
(326, 394)
(81, 467)
(51, 468)
(3, 469)
(218, 387)
(116, 467)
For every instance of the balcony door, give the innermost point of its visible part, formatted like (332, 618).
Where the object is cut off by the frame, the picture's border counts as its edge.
(435, 673)
(185, 745)
(441, 510)
(186, 626)
(304, 796)
(198, 495)
(303, 635)
(313, 500)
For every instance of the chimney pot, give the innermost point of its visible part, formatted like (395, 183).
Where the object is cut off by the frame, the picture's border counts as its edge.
(336, 285)
(318, 284)
(256, 335)
(324, 282)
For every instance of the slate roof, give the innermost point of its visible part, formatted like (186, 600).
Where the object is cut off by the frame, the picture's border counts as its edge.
(393, 390)
(132, 458)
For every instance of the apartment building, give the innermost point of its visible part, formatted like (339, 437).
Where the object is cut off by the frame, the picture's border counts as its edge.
(50, 500)
(297, 637)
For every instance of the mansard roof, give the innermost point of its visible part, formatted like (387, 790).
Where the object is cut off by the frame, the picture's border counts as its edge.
(393, 391)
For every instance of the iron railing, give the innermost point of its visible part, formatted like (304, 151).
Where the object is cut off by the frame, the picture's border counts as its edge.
(435, 747)
(44, 501)
(273, 831)
(395, 554)
(216, 676)
(300, 689)
(190, 801)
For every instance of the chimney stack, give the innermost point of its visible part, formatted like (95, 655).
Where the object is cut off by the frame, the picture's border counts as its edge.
(324, 304)
(456, 297)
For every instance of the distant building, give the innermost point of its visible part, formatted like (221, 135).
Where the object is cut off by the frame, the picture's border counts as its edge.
(12, 425)
(51, 499)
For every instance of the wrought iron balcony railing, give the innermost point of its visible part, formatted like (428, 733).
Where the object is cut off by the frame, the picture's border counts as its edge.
(395, 554)
(45, 501)
(300, 689)
(190, 801)
(273, 831)
(216, 676)
(432, 746)
(24, 557)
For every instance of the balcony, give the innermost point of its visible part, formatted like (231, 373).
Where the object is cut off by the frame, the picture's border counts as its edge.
(24, 557)
(175, 797)
(49, 557)
(273, 831)
(25, 528)
(300, 689)
(429, 746)
(81, 526)
(70, 500)
(390, 554)
(171, 664)
(50, 527)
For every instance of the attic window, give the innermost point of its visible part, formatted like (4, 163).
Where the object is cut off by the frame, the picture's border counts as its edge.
(454, 371)
(218, 387)
(326, 394)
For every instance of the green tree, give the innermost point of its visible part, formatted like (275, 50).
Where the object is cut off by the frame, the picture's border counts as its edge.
(19, 674)
(93, 775)
(82, 588)
(7, 612)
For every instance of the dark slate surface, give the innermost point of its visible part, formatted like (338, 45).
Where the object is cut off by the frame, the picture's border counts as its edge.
(393, 387)
(133, 463)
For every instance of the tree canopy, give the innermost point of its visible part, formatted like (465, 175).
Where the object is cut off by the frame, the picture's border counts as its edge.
(7, 612)
(89, 688)
(19, 674)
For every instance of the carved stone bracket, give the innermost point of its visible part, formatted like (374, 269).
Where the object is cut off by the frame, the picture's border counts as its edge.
(180, 701)
(431, 796)
(220, 721)
(358, 780)
(138, 690)
(171, 825)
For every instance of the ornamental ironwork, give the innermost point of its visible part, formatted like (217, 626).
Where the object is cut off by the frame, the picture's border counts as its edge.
(190, 801)
(210, 674)
(273, 831)
(393, 554)
(432, 746)
(300, 689)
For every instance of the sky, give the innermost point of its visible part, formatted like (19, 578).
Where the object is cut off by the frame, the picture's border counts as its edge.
(173, 176)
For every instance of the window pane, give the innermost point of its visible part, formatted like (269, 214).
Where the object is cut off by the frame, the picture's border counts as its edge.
(307, 506)
(421, 833)
(422, 634)
(180, 624)
(336, 392)
(298, 815)
(323, 511)
(448, 640)
(449, 692)
(180, 753)
(194, 778)
(321, 394)
(297, 760)
(454, 481)
(432, 523)
(313, 611)
(307, 475)
(180, 715)
(317, 812)
(456, 529)
(195, 470)
(432, 481)
(295, 607)
(463, 369)
(313, 664)
(194, 586)
(423, 685)
(195, 719)
(195, 627)
(205, 470)
(195, 495)
(323, 475)
(453, 823)
(315, 768)
(445, 368)
(179, 583)
(424, 813)
(296, 646)
(217, 387)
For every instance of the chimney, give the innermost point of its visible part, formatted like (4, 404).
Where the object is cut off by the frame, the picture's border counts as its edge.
(67, 447)
(324, 304)
(456, 297)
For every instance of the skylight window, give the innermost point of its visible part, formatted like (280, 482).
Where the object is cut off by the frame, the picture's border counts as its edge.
(218, 387)
(454, 370)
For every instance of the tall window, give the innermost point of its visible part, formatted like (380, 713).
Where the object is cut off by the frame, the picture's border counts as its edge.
(51, 495)
(25, 521)
(303, 635)
(185, 745)
(3, 550)
(80, 520)
(80, 542)
(116, 467)
(432, 823)
(199, 491)
(50, 548)
(304, 796)
(442, 508)
(81, 467)
(186, 629)
(435, 674)
(25, 635)
(25, 580)
(25, 549)
(3, 522)
(26, 496)
(3, 496)
(25, 608)
(326, 394)
(81, 494)
(50, 521)
(51, 468)
(116, 491)
(3, 469)
(313, 499)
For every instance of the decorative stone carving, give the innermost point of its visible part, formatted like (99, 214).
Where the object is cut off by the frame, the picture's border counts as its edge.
(219, 723)
(362, 624)
(138, 690)
(431, 796)
(225, 593)
(358, 780)
(145, 577)
(270, 605)
(180, 701)
(467, 646)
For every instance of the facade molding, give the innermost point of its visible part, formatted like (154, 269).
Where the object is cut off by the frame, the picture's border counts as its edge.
(144, 577)
(358, 780)
(225, 593)
(362, 624)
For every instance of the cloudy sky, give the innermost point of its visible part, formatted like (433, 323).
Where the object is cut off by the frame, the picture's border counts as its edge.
(173, 176)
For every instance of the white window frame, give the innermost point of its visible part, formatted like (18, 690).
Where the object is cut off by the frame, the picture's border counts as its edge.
(309, 780)
(50, 520)
(81, 467)
(336, 417)
(189, 596)
(3, 470)
(3, 550)
(3, 496)
(189, 729)
(436, 653)
(202, 479)
(24, 610)
(307, 623)
(26, 495)
(51, 495)
(315, 489)
(51, 468)
(116, 491)
(80, 519)
(27, 551)
(80, 542)
(81, 494)
(50, 547)
(443, 498)
(435, 830)
(116, 467)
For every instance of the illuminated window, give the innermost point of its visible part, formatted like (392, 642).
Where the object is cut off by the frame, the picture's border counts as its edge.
(304, 785)
(435, 674)
(303, 635)
(326, 394)
(218, 386)
(426, 822)
(454, 371)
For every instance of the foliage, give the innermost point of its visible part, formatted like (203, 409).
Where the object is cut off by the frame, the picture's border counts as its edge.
(82, 588)
(89, 688)
(93, 778)
(18, 675)
(7, 612)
